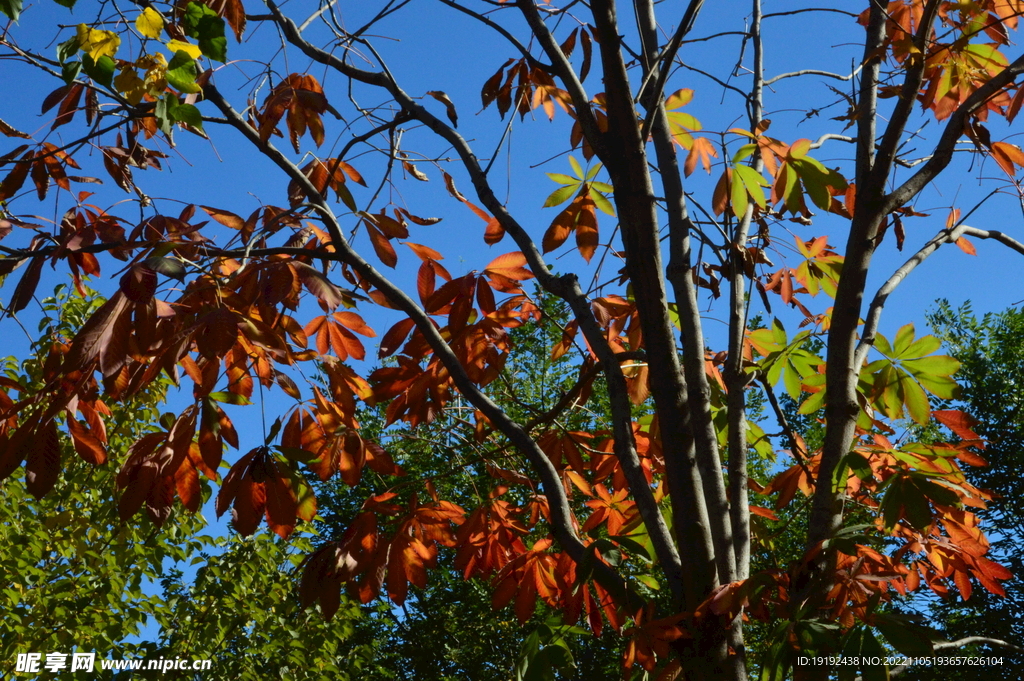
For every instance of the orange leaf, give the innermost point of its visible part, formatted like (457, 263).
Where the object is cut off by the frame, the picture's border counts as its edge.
(966, 246)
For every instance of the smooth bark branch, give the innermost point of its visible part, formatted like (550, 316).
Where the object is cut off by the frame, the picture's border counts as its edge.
(626, 162)
(841, 375)
(893, 134)
(561, 515)
(831, 136)
(809, 72)
(943, 152)
(661, 65)
(736, 378)
(696, 390)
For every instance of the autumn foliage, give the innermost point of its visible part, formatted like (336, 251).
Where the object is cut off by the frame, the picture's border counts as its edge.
(664, 483)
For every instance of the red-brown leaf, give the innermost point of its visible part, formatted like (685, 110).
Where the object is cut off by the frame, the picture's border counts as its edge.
(86, 444)
(394, 338)
(385, 251)
(42, 465)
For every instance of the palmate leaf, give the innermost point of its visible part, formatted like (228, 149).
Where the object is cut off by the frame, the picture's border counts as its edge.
(903, 377)
(785, 359)
(747, 182)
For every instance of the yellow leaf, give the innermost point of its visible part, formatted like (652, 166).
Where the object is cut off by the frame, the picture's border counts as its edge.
(153, 83)
(156, 72)
(130, 85)
(97, 43)
(150, 23)
(181, 46)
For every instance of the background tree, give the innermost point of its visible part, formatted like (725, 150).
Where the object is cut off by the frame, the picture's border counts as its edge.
(991, 375)
(241, 324)
(78, 578)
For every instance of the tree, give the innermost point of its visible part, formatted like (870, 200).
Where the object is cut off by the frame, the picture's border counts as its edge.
(992, 369)
(667, 469)
(73, 575)
(447, 630)
(77, 578)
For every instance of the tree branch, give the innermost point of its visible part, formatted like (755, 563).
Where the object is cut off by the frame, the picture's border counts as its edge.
(946, 236)
(561, 67)
(567, 288)
(908, 98)
(810, 72)
(943, 153)
(561, 514)
(831, 136)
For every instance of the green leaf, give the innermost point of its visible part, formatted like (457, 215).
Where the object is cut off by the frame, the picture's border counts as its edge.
(560, 195)
(753, 182)
(275, 427)
(738, 195)
(66, 49)
(939, 494)
(602, 203)
(207, 27)
(229, 398)
(608, 551)
(649, 581)
(189, 114)
(11, 8)
(70, 70)
(100, 70)
(908, 638)
(915, 399)
(921, 347)
(181, 73)
(576, 168)
(855, 462)
(743, 153)
(561, 178)
(634, 546)
(860, 645)
(346, 197)
(934, 365)
(882, 345)
(815, 179)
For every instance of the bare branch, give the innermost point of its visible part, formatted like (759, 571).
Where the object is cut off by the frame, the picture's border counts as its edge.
(811, 72)
(831, 136)
(810, 9)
